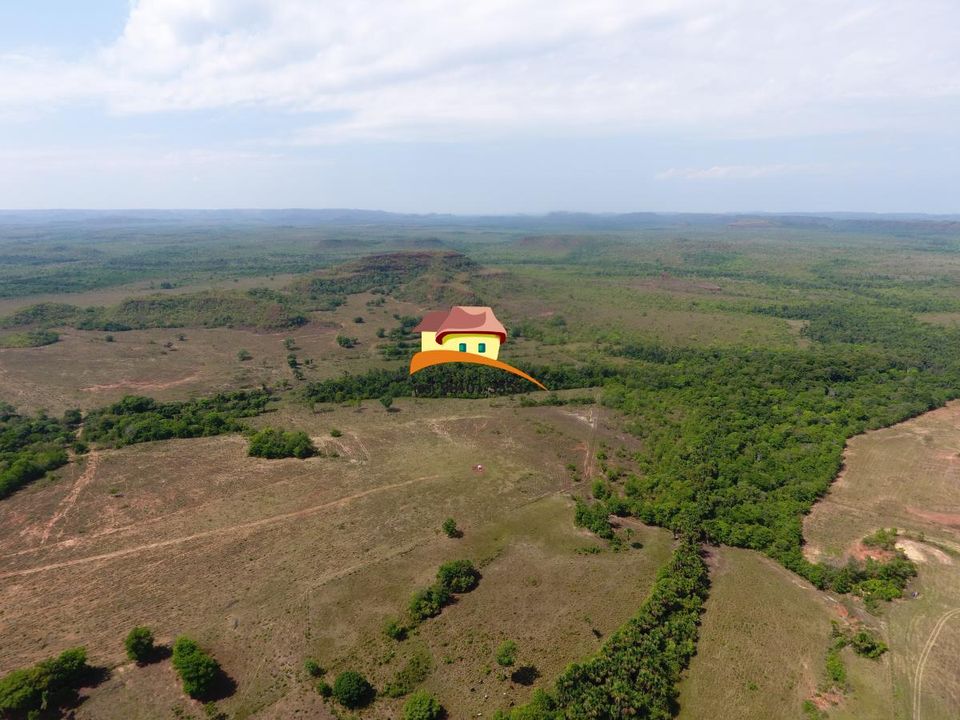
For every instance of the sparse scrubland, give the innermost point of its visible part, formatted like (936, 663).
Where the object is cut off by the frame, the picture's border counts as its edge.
(705, 381)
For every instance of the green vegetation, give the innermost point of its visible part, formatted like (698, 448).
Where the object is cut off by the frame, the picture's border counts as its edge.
(273, 443)
(428, 603)
(636, 672)
(244, 355)
(594, 518)
(31, 338)
(198, 671)
(139, 645)
(507, 653)
(352, 690)
(885, 539)
(458, 576)
(137, 419)
(394, 629)
(31, 447)
(313, 668)
(450, 528)
(422, 706)
(414, 672)
(47, 685)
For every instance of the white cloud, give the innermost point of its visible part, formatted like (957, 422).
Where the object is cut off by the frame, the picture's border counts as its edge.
(440, 70)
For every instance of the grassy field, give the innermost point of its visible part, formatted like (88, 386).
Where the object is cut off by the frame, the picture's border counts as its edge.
(907, 477)
(267, 563)
(263, 560)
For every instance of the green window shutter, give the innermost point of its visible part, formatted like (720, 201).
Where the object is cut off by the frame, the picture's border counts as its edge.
(463, 347)
(482, 347)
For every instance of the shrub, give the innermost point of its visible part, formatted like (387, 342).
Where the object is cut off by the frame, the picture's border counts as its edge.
(197, 670)
(358, 319)
(450, 528)
(313, 668)
(866, 645)
(335, 433)
(346, 342)
(414, 672)
(273, 444)
(422, 706)
(428, 603)
(352, 690)
(883, 538)
(324, 689)
(45, 685)
(395, 630)
(458, 576)
(507, 653)
(244, 355)
(594, 518)
(139, 645)
(386, 401)
(836, 670)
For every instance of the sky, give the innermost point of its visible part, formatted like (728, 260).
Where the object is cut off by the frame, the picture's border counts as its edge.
(489, 106)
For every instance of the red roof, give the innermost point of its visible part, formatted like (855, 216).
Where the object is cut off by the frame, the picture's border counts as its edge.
(462, 319)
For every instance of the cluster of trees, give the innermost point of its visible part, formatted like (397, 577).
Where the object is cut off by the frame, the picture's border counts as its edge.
(48, 685)
(637, 669)
(452, 380)
(454, 577)
(274, 443)
(198, 671)
(255, 308)
(32, 446)
(739, 443)
(136, 419)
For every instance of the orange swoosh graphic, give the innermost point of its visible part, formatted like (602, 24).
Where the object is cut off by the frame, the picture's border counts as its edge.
(429, 358)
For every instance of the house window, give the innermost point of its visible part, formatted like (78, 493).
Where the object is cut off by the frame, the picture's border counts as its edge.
(482, 347)
(463, 347)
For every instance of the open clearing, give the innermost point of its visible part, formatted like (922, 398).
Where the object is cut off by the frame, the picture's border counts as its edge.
(907, 476)
(264, 561)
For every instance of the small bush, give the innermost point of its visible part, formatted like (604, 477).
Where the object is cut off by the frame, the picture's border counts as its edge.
(428, 603)
(458, 576)
(395, 630)
(139, 645)
(507, 653)
(244, 355)
(313, 668)
(197, 670)
(272, 443)
(414, 672)
(450, 528)
(346, 342)
(386, 401)
(358, 319)
(335, 433)
(866, 645)
(422, 706)
(324, 689)
(883, 538)
(352, 690)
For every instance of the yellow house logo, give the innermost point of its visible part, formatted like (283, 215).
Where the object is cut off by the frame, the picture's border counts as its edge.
(464, 333)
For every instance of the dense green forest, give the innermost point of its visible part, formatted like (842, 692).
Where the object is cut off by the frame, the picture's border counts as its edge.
(32, 446)
(136, 419)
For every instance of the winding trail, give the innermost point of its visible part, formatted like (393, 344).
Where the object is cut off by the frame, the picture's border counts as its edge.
(924, 655)
(252, 525)
(86, 477)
